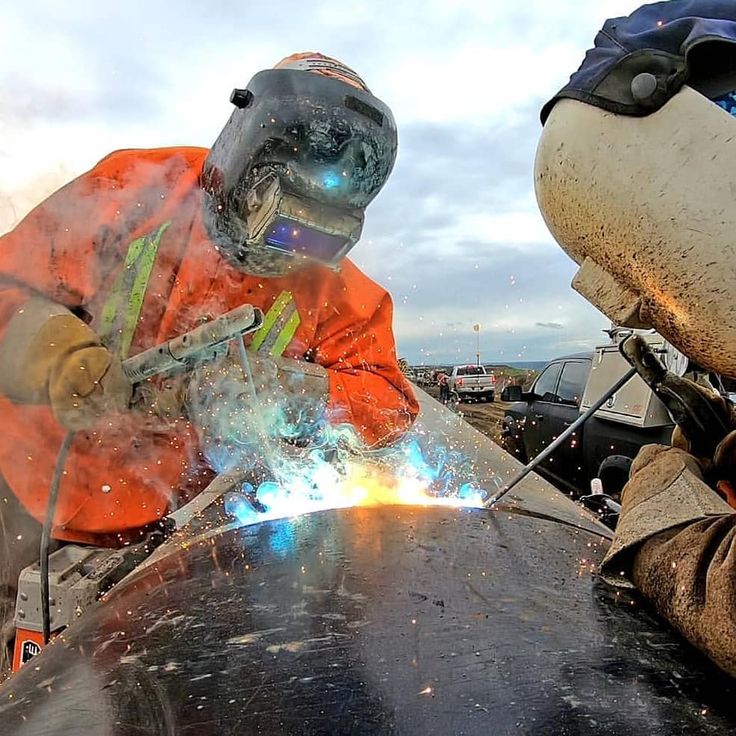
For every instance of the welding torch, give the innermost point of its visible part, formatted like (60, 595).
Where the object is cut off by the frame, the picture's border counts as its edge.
(201, 344)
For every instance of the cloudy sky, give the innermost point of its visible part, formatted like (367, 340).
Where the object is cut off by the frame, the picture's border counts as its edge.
(455, 235)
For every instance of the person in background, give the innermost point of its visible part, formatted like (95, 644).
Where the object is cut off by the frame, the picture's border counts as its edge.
(443, 382)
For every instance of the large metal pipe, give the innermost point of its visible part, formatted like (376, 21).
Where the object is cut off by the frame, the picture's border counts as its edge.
(403, 620)
(384, 620)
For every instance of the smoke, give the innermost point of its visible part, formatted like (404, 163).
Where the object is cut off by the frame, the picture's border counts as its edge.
(296, 458)
(71, 250)
(16, 201)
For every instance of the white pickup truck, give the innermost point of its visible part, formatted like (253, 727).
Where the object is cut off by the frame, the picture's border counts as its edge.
(472, 380)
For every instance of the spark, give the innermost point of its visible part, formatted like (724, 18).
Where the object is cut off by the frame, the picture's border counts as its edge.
(294, 465)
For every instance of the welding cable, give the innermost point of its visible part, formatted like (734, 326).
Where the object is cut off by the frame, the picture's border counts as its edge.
(46, 533)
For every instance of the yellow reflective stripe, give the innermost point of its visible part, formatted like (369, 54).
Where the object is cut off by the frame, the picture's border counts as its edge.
(269, 320)
(112, 306)
(286, 334)
(138, 290)
(279, 325)
(131, 284)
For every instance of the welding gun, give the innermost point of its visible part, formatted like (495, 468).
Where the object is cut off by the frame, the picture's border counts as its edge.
(703, 421)
(206, 342)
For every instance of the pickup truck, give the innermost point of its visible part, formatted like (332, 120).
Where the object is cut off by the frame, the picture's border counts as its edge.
(606, 444)
(472, 380)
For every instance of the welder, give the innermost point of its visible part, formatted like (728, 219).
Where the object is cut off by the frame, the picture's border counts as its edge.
(151, 243)
(635, 178)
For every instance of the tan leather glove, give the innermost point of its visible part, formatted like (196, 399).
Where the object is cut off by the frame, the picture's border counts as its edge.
(669, 487)
(666, 490)
(719, 470)
(163, 399)
(49, 356)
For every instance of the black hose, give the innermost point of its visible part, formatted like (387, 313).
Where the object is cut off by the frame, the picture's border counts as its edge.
(46, 534)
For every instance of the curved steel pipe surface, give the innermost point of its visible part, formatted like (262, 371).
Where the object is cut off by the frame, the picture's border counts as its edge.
(384, 620)
(493, 467)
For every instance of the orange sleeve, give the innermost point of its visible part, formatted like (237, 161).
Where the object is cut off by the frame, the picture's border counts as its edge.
(118, 476)
(356, 344)
(125, 473)
(70, 245)
(50, 252)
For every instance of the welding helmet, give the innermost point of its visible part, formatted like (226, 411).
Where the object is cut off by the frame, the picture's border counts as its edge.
(635, 175)
(305, 151)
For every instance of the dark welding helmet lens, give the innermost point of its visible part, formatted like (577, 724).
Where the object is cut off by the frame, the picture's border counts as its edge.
(290, 236)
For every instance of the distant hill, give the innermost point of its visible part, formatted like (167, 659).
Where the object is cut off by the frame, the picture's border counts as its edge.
(531, 365)
(522, 373)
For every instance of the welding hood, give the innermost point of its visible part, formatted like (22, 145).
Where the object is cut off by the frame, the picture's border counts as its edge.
(634, 176)
(298, 162)
(384, 620)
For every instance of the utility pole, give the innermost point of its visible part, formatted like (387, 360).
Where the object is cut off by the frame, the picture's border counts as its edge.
(476, 329)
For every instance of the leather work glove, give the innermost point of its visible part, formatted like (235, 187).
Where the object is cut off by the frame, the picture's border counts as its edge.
(164, 399)
(720, 469)
(49, 356)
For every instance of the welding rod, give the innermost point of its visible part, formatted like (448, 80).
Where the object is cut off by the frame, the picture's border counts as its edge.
(193, 344)
(557, 442)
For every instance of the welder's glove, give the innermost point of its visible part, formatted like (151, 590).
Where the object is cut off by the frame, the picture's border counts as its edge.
(49, 356)
(162, 399)
(675, 543)
(720, 469)
(669, 487)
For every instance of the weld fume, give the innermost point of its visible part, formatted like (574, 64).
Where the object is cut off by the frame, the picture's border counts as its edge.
(298, 459)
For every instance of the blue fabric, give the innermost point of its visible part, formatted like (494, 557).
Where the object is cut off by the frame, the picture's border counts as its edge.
(656, 38)
(727, 102)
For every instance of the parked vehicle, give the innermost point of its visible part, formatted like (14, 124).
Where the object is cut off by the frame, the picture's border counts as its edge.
(472, 380)
(607, 443)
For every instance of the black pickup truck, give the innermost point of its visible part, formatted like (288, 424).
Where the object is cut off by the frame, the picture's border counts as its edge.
(601, 448)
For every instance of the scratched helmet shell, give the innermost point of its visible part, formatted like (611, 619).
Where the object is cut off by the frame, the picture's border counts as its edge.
(635, 178)
(311, 129)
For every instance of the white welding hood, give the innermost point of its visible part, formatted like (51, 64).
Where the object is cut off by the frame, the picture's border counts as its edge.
(647, 207)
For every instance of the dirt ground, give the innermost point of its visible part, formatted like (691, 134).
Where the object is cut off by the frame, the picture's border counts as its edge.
(484, 417)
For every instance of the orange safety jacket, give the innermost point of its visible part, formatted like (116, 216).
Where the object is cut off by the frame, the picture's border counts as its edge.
(124, 246)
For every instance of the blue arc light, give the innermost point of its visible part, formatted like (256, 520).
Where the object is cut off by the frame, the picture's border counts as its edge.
(331, 180)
